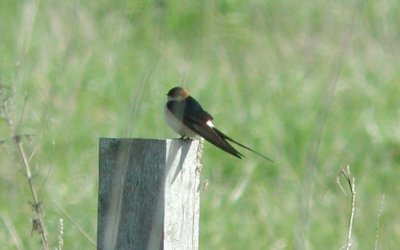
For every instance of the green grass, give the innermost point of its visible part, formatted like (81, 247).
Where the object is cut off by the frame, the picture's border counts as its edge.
(314, 85)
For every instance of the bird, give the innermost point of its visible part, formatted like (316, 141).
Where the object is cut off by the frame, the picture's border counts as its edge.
(187, 117)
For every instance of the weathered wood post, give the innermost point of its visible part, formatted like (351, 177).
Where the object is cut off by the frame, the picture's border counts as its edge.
(148, 194)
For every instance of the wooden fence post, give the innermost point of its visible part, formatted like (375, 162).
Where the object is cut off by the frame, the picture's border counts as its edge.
(148, 194)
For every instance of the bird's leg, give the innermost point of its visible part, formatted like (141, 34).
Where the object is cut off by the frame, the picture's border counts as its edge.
(185, 138)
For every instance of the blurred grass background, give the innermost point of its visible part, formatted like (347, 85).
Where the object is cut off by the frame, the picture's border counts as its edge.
(314, 85)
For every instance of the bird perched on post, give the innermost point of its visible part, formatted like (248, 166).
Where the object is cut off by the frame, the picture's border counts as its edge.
(186, 117)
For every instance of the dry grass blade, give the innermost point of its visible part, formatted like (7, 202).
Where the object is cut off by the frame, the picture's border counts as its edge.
(351, 182)
(86, 235)
(377, 221)
(13, 233)
(37, 221)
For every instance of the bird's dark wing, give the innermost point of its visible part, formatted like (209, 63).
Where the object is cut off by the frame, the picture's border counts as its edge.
(195, 117)
(188, 107)
(211, 136)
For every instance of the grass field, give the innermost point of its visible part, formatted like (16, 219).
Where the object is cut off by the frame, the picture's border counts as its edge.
(312, 84)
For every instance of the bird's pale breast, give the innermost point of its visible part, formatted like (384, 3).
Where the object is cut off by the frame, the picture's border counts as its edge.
(177, 125)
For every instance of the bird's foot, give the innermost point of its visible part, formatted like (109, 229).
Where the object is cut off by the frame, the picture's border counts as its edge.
(185, 138)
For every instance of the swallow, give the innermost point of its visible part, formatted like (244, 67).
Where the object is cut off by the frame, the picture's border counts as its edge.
(188, 118)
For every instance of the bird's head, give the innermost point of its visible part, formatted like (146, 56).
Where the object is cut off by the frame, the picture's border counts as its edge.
(177, 94)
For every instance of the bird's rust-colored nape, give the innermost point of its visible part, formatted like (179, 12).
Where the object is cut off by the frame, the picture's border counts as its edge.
(178, 92)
